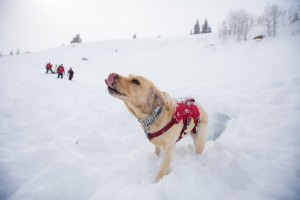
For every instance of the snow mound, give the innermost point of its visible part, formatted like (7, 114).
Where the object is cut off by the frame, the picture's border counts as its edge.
(63, 139)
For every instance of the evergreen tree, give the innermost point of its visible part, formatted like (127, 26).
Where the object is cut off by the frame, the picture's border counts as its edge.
(0, 54)
(206, 28)
(11, 52)
(18, 52)
(76, 39)
(209, 30)
(197, 28)
(134, 36)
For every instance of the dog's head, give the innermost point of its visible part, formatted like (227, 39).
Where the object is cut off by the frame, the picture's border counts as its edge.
(139, 94)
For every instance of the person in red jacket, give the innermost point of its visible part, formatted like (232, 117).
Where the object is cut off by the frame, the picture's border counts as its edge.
(49, 68)
(60, 71)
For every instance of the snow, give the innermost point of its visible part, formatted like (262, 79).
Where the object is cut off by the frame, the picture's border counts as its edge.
(63, 139)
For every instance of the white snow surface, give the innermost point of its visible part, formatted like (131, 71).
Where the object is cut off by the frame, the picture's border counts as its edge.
(67, 140)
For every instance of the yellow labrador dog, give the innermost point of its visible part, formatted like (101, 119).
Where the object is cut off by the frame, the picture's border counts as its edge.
(164, 120)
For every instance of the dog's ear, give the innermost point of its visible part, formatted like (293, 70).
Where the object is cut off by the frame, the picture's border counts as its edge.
(167, 100)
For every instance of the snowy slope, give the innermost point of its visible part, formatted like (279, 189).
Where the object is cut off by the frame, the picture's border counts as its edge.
(72, 140)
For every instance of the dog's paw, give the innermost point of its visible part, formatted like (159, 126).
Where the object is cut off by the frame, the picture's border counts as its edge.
(161, 175)
(157, 179)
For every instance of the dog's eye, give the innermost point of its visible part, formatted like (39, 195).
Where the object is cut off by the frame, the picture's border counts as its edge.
(134, 81)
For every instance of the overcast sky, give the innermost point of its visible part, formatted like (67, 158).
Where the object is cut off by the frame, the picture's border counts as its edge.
(34, 25)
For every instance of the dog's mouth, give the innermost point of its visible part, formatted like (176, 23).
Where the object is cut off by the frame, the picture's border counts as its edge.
(113, 90)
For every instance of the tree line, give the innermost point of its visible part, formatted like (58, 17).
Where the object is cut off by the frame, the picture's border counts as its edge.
(18, 52)
(237, 24)
(240, 21)
(76, 39)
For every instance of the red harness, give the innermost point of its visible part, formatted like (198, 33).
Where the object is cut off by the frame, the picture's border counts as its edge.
(185, 110)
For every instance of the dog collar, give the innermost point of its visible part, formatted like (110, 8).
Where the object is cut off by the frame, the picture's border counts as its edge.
(148, 122)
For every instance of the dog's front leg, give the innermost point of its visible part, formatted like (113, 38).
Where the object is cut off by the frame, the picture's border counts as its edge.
(200, 136)
(166, 163)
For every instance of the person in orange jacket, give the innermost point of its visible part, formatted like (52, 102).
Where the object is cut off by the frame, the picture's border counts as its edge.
(60, 71)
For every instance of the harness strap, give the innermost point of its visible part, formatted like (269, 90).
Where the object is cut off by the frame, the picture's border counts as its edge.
(186, 123)
(185, 110)
(150, 136)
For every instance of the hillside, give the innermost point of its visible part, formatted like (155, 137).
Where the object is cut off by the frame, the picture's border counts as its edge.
(63, 139)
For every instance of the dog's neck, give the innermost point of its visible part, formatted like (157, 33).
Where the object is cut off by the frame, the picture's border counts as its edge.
(151, 119)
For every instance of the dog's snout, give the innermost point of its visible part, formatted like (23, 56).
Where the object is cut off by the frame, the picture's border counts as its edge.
(111, 79)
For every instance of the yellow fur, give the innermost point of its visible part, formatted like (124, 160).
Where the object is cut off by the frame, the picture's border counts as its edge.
(142, 99)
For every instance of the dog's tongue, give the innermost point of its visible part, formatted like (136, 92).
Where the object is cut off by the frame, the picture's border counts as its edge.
(110, 80)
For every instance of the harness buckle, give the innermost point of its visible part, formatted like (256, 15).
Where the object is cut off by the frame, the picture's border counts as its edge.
(198, 119)
(188, 121)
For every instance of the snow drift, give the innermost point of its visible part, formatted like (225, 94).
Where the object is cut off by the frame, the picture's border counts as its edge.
(71, 140)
